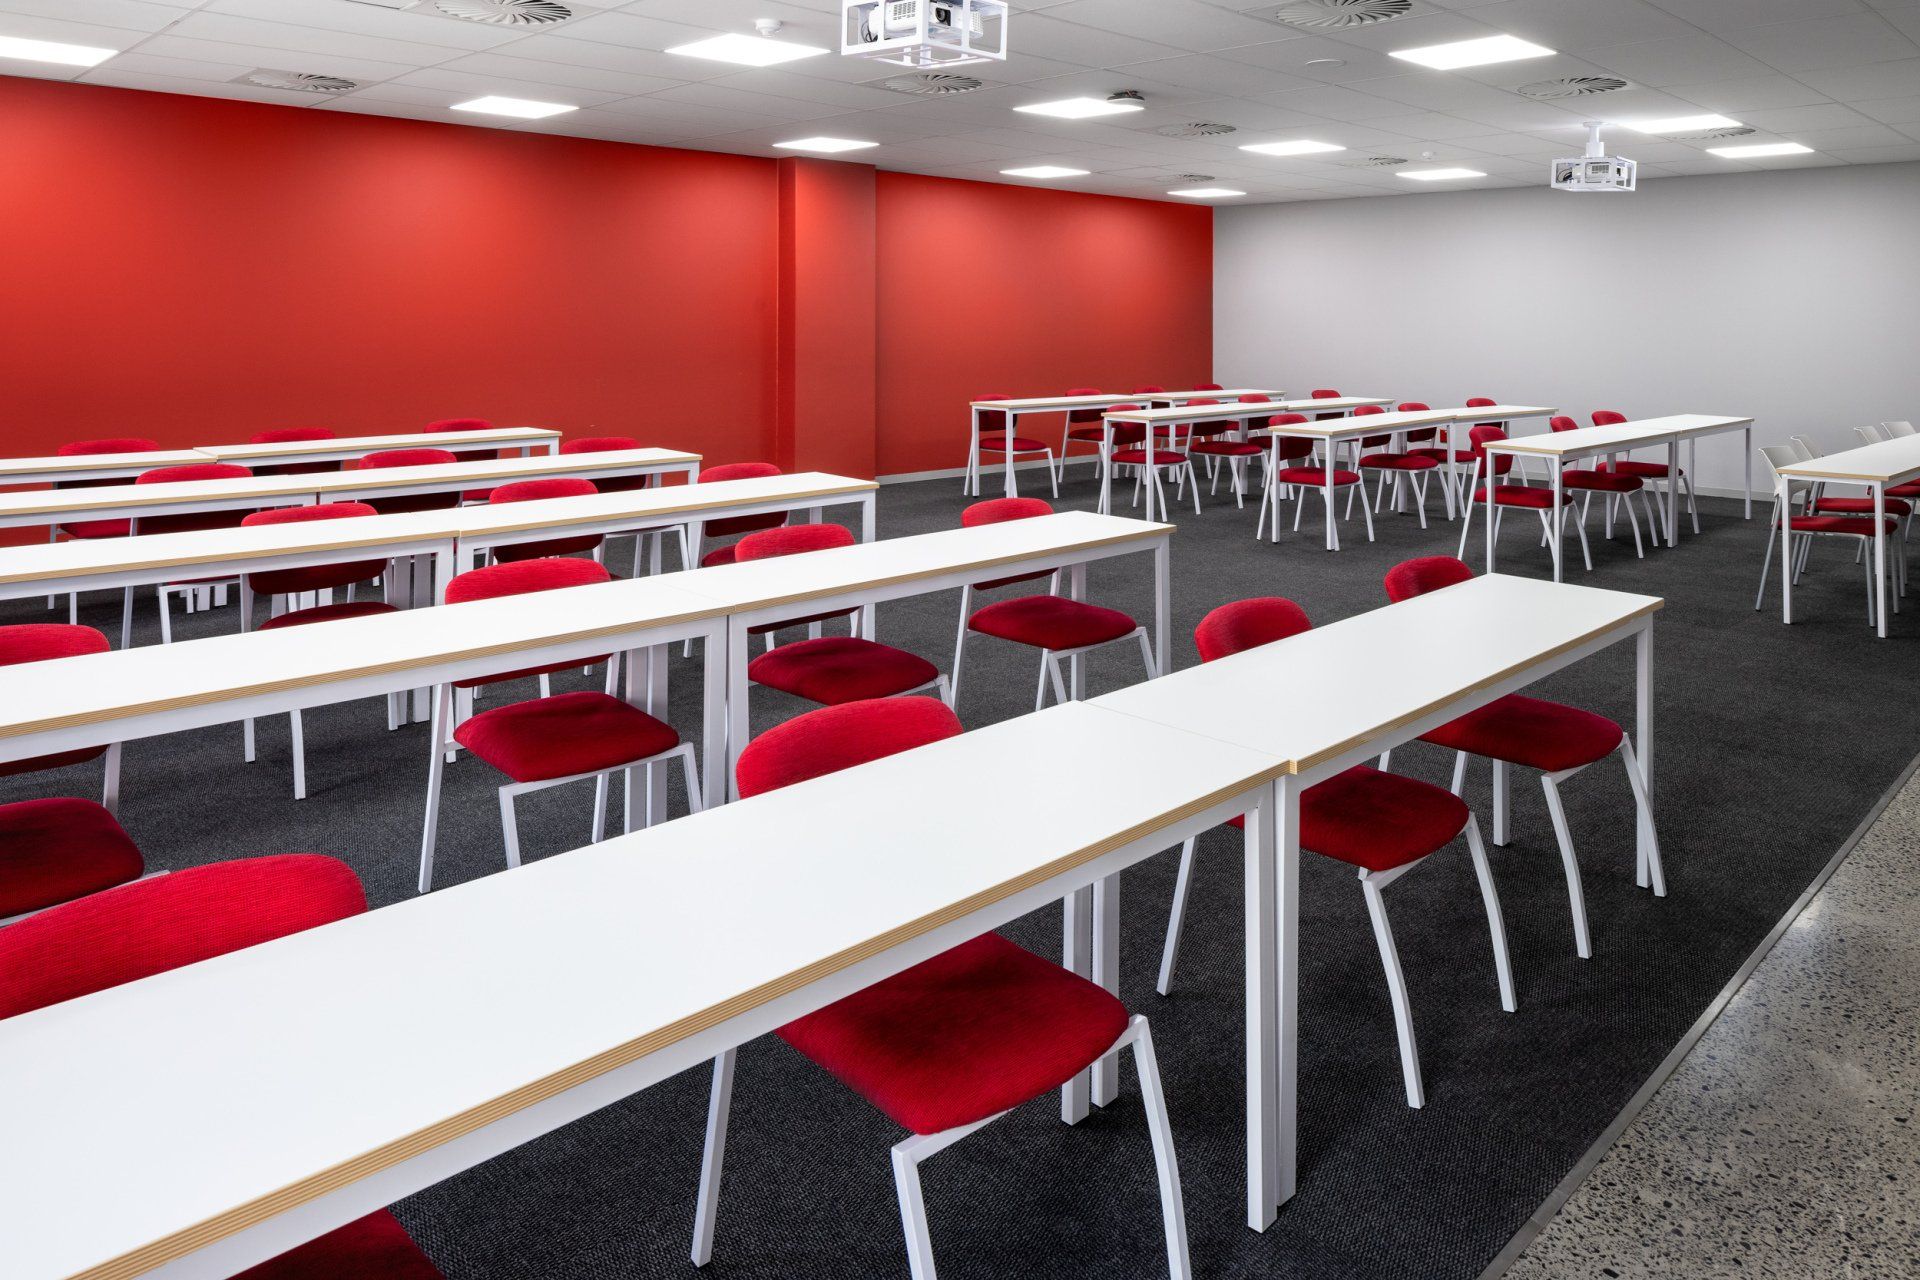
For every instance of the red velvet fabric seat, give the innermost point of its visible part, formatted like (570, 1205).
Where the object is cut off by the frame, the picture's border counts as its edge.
(1911, 489)
(40, 642)
(1641, 470)
(963, 1036)
(564, 734)
(1227, 448)
(1855, 526)
(1316, 476)
(1516, 495)
(840, 737)
(537, 491)
(1400, 461)
(1052, 622)
(294, 435)
(1378, 820)
(788, 540)
(319, 577)
(97, 529)
(1416, 577)
(1600, 481)
(608, 444)
(1548, 736)
(56, 850)
(1859, 506)
(414, 501)
(87, 448)
(1138, 457)
(445, 425)
(375, 1247)
(328, 613)
(192, 520)
(719, 555)
(836, 669)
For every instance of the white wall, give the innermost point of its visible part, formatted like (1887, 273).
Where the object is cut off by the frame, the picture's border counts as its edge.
(1792, 297)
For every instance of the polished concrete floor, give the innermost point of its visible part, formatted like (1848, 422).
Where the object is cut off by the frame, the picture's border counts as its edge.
(1785, 1145)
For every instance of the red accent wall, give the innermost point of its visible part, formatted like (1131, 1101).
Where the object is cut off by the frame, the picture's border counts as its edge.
(825, 415)
(990, 289)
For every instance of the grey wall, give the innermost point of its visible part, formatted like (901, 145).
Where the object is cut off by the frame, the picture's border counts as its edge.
(1792, 297)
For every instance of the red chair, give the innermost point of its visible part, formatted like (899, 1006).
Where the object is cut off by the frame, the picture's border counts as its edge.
(1057, 626)
(955, 1042)
(1381, 824)
(41, 642)
(830, 669)
(1083, 428)
(1497, 497)
(142, 929)
(185, 523)
(1237, 450)
(294, 435)
(1285, 449)
(553, 739)
(1551, 737)
(1652, 472)
(53, 851)
(1148, 462)
(996, 436)
(536, 491)
(733, 526)
(1807, 528)
(609, 444)
(1616, 486)
(1404, 466)
(415, 501)
(285, 588)
(994, 511)
(93, 528)
(1208, 386)
(446, 425)
(1314, 476)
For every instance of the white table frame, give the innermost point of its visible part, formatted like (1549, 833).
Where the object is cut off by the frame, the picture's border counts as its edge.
(1878, 467)
(347, 448)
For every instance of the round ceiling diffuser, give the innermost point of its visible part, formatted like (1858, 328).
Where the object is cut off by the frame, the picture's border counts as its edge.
(1191, 177)
(1709, 135)
(1372, 162)
(1572, 86)
(506, 13)
(932, 83)
(1339, 15)
(1195, 129)
(302, 81)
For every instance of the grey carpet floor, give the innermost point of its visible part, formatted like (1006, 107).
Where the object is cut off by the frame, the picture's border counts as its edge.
(1771, 744)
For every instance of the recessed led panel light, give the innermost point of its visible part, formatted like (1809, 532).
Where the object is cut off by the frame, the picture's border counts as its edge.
(826, 144)
(1438, 175)
(1762, 149)
(747, 51)
(67, 55)
(1082, 108)
(1680, 124)
(1302, 147)
(1206, 193)
(1473, 53)
(518, 108)
(1045, 171)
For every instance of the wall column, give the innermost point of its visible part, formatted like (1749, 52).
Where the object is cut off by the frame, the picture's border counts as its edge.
(824, 414)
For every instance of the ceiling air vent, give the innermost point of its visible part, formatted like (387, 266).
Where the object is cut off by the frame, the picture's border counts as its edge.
(1335, 15)
(1190, 177)
(931, 84)
(300, 81)
(1195, 129)
(1371, 162)
(506, 13)
(1572, 87)
(1709, 135)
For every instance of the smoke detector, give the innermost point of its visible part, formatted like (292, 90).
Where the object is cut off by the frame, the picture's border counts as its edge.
(507, 13)
(932, 84)
(1334, 15)
(1572, 87)
(299, 81)
(1195, 129)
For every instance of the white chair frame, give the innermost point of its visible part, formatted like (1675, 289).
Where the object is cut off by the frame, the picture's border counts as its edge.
(1777, 456)
(910, 1152)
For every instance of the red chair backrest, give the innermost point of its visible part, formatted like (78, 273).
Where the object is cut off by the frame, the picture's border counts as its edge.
(151, 926)
(599, 444)
(1203, 400)
(1291, 446)
(1211, 386)
(743, 524)
(113, 444)
(1413, 406)
(1324, 393)
(407, 458)
(192, 471)
(319, 577)
(1562, 423)
(1151, 389)
(1371, 442)
(457, 424)
(992, 419)
(546, 487)
(523, 576)
(1485, 434)
(1086, 415)
(292, 435)
(835, 738)
(740, 471)
(792, 539)
(320, 511)
(1412, 578)
(1251, 398)
(1480, 402)
(39, 641)
(1246, 624)
(1418, 433)
(1000, 510)
(197, 519)
(1607, 418)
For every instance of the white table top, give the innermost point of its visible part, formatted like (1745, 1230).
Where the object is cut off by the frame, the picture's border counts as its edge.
(353, 446)
(1281, 698)
(787, 580)
(1382, 423)
(96, 463)
(674, 503)
(1238, 409)
(498, 470)
(70, 504)
(150, 1118)
(123, 683)
(1042, 404)
(1621, 436)
(1888, 462)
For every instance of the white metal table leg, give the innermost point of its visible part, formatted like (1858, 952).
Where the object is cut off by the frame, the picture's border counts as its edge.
(1746, 434)
(1106, 973)
(1673, 493)
(1643, 746)
(1780, 491)
(1075, 956)
(715, 766)
(1880, 557)
(1262, 1013)
(1287, 980)
(1163, 607)
(1559, 539)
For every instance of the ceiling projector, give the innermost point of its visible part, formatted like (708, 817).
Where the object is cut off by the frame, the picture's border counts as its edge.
(925, 33)
(1596, 170)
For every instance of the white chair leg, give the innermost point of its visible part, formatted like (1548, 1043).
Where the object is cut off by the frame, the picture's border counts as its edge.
(509, 828)
(1176, 919)
(600, 785)
(960, 640)
(1693, 512)
(436, 766)
(1166, 1165)
(1582, 943)
(166, 616)
(707, 1207)
(1496, 922)
(1459, 786)
(1633, 522)
(1052, 665)
(1040, 695)
(1652, 871)
(913, 1211)
(1146, 657)
(299, 754)
(110, 781)
(1396, 990)
(690, 773)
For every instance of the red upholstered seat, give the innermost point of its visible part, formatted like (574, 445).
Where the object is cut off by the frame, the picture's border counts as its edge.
(732, 525)
(1316, 476)
(836, 669)
(445, 425)
(294, 435)
(1516, 495)
(1911, 489)
(1123, 433)
(1855, 526)
(111, 444)
(1444, 455)
(1400, 461)
(320, 577)
(1051, 622)
(1245, 624)
(1416, 577)
(192, 520)
(565, 734)
(1227, 448)
(1021, 444)
(840, 737)
(1860, 506)
(40, 642)
(1547, 736)
(413, 501)
(536, 491)
(719, 555)
(53, 851)
(98, 529)
(1602, 481)
(375, 1247)
(1378, 820)
(1161, 457)
(963, 1036)
(328, 613)
(1643, 470)
(608, 444)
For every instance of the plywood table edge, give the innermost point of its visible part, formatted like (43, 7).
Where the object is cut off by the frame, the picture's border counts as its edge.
(668, 512)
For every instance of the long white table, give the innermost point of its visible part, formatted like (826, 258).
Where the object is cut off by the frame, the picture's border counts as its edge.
(1878, 467)
(1297, 700)
(1014, 408)
(194, 1123)
(343, 448)
(55, 469)
(1562, 447)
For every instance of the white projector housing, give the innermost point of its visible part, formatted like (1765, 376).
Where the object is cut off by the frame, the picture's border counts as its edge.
(1596, 170)
(924, 34)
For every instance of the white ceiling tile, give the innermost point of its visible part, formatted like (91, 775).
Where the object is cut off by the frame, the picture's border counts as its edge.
(172, 46)
(532, 71)
(1184, 24)
(1429, 125)
(134, 15)
(1294, 56)
(1828, 42)
(1732, 15)
(1334, 102)
(1829, 115)
(35, 26)
(1906, 151)
(1751, 93)
(1048, 37)
(1878, 80)
(103, 75)
(1577, 25)
(709, 94)
(1892, 110)
(229, 29)
(477, 85)
(423, 26)
(1676, 60)
(1865, 135)
(1216, 77)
